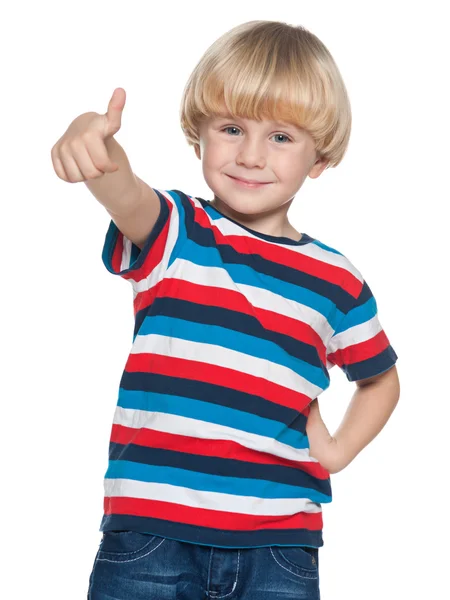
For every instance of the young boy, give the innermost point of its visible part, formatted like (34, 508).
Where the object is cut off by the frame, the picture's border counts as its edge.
(219, 460)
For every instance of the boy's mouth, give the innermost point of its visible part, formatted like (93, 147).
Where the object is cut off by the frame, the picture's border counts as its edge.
(251, 183)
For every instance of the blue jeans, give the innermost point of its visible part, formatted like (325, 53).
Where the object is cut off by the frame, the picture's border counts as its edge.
(139, 566)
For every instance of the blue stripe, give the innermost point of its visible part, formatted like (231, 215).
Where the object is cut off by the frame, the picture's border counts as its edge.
(217, 465)
(212, 413)
(203, 237)
(234, 320)
(325, 247)
(359, 314)
(108, 247)
(119, 469)
(215, 216)
(232, 340)
(214, 394)
(210, 257)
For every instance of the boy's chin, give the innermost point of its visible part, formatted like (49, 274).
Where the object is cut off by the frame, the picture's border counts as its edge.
(244, 207)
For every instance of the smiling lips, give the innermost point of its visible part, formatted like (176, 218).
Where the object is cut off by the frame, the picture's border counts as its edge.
(249, 182)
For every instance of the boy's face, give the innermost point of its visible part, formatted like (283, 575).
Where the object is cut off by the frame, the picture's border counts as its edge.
(278, 154)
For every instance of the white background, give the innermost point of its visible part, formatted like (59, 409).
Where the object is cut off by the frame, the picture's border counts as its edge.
(66, 323)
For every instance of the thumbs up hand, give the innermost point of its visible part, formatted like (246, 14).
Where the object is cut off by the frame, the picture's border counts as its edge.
(81, 153)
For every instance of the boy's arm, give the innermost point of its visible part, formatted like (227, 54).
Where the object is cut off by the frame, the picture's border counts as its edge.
(368, 412)
(132, 204)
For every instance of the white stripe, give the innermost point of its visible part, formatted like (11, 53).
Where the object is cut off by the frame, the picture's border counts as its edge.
(355, 335)
(224, 357)
(249, 505)
(227, 227)
(179, 425)
(258, 297)
(158, 272)
(126, 254)
(267, 299)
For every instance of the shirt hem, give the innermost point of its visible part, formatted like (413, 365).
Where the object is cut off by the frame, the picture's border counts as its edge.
(206, 536)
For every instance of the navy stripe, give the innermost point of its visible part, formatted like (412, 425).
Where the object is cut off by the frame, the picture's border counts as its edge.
(140, 318)
(195, 480)
(137, 255)
(341, 300)
(218, 466)
(215, 214)
(235, 321)
(209, 412)
(268, 353)
(215, 394)
(205, 238)
(209, 536)
(372, 366)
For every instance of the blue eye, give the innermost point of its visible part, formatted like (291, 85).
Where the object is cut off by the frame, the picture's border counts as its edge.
(225, 128)
(282, 135)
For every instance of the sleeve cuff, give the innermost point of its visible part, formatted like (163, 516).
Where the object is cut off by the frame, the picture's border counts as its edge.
(372, 366)
(120, 256)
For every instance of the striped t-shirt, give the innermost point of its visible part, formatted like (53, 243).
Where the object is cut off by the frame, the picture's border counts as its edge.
(234, 334)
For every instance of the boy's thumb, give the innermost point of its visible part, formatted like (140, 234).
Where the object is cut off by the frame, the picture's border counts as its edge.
(114, 112)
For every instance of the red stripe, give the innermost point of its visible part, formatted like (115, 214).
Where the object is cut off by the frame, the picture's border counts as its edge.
(145, 299)
(223, 376)
(154, 254)
(283, 255)
(206, 295)
(365, 350)
(179, 513)
(232, 300)
(360, 352)
(151, 438)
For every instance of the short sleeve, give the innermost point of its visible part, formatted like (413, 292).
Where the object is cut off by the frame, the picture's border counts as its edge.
(359, 345)
(144, 268)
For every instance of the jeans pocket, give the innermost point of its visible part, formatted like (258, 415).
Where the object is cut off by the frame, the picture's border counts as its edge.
(298, 560)
(124, 546)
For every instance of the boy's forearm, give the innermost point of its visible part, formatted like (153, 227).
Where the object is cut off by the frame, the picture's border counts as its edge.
(367, 414)
(118, 192)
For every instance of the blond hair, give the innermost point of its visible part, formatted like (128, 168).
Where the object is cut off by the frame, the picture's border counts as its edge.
(271, 70)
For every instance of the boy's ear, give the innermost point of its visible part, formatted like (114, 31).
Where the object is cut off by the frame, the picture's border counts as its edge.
(197, 150)
(318, 167)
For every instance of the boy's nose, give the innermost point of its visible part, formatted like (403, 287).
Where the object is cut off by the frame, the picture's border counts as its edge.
(251, 155)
